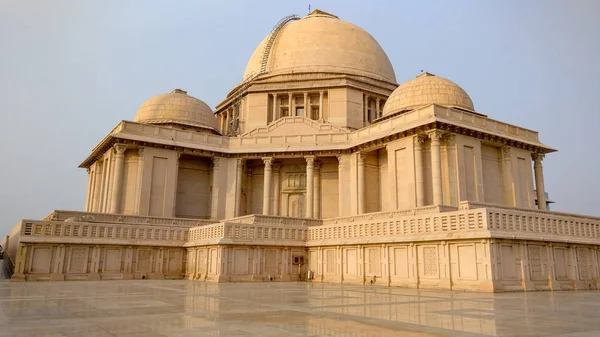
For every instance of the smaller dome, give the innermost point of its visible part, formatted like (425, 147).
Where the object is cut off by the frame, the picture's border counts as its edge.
(427, 89)
(176, 107)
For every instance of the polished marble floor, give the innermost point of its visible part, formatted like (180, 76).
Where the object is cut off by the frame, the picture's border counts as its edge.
(193, 308)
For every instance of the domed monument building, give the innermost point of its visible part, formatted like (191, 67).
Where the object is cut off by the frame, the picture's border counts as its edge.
(317, 167)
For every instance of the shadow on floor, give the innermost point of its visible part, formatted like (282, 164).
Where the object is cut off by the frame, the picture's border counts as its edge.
(5, 270)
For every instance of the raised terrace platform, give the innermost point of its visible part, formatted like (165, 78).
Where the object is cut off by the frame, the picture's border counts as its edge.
(476, 246)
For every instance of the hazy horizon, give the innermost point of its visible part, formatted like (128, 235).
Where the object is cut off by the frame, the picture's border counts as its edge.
(71, 70)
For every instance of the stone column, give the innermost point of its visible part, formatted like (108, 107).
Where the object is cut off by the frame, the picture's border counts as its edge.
(436, 167)
(321, 105)
(238, 187)
(267, 186)
(366, 109)
(317, 199)
(290, 103)
(140, 179)
(275, 110)
(377, 111)
(214, 207)
(419, 180)
(306, 113)
(310, 165)
(452, 169)
(88, 198)
(276, 188)
(174, 212)
(361, 183)
(508, 195)
(249, 182)
(340, 186)
(539, 180)
(118, 178)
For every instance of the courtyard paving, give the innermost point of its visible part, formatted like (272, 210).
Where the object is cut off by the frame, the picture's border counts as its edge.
(193, 308)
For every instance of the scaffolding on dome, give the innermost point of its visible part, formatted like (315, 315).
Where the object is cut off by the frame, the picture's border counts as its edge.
(267, 51)
(234, 123)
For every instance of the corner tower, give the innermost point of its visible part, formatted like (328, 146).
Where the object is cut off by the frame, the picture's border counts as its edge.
(318, 67)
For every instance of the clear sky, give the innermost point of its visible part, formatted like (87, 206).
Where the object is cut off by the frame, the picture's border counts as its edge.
(71, 70)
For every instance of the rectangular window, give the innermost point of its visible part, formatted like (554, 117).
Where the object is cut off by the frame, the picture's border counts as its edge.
(299, 111)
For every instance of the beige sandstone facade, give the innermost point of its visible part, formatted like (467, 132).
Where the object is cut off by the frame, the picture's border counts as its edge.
(318, 161)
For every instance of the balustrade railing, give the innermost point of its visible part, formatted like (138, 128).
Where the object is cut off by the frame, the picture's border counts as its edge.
(77, 216)
(275, 220)
(33, 230)
(402, 224)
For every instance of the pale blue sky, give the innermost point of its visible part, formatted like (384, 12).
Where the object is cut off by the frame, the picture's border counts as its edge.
(71, 70)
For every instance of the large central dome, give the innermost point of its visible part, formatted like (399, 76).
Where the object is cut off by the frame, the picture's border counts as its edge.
(321, 42)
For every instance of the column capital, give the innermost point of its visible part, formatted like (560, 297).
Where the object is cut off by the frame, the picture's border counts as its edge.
(268, 161)
(215, 161)
(537, 157)
(450, 139)
(435, 135)
(119, 149)
(276, 167)
(141, 150)
(419, 139)
(275, 95)
(239, 163)
(361, 158)
(310, 160)
(179, 153)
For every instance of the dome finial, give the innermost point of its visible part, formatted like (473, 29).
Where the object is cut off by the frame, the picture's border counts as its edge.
(179, 91)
